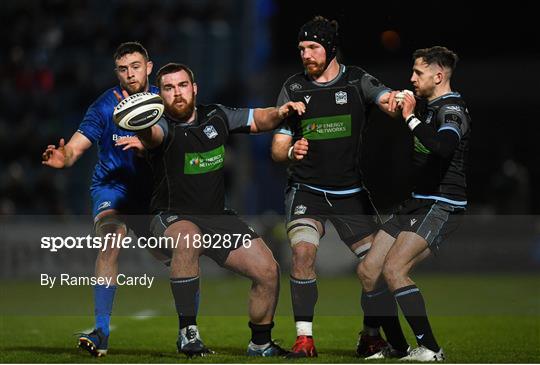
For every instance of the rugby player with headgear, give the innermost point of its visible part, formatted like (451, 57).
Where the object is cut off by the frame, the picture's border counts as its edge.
(121, 183)
(323, 148)
(441, 127)
(186, 149)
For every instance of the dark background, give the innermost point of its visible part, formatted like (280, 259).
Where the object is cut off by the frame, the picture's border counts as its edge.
(56, 60)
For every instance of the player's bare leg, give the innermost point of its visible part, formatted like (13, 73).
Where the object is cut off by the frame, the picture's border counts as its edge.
(107, 260)
(184, 276)
(370, 340)
(257, 263)
(304, 235)
(109, 225)
(408, 250)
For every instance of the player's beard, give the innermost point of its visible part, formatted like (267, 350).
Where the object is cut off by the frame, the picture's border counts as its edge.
(181, 111)
(135, 88)
(314, 69)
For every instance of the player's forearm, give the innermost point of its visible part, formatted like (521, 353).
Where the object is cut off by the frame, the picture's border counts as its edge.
(151, 137)
(266, 119)
(280, 151)
(71, 155)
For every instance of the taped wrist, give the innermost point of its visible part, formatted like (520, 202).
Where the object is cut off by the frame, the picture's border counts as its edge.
(412, 122)
(290, 153)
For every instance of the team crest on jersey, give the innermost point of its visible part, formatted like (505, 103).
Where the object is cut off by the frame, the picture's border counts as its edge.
(341, 97)
(210, 132)
(300, 209)
(295, 87)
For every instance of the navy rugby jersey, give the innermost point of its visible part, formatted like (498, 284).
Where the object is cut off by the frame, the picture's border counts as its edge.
(436, 177)
(188, 165)
(336, 115)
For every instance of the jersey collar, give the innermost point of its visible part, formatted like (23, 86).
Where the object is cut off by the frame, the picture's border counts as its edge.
(447, 95)
(331, 82)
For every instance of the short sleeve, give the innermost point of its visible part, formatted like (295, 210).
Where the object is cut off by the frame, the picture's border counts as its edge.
(284, 128)
(453, 117)
(93, 124)
(238, 119)
(372, 88)
(162, 123)
(283, 97)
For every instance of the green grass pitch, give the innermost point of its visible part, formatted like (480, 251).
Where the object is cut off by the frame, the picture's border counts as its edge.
(476, 318)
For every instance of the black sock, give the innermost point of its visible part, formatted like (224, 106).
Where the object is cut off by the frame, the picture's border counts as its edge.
(304, 296)
(369, 308)
(413, 307)
(186, 293)
(381, 305)
(261, 333)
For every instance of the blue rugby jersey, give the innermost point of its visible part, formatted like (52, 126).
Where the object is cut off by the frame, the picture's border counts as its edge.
(114, 167)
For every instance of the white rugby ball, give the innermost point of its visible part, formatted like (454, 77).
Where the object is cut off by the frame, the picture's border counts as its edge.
(401, 95)
(138, 111)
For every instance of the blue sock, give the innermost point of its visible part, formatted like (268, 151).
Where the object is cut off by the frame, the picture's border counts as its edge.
(103, 303)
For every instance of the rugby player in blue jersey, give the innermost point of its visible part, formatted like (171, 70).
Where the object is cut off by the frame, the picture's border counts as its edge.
(121, 184)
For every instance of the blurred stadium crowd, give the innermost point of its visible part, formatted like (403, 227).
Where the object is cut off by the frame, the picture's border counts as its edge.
(57, 58)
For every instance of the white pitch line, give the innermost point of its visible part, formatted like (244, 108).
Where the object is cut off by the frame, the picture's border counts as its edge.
(144, 314)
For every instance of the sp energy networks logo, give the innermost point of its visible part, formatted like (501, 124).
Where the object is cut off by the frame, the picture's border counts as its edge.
(337, 126)
(203, 162)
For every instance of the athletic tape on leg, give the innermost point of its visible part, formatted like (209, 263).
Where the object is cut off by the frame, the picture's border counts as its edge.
(302, 230)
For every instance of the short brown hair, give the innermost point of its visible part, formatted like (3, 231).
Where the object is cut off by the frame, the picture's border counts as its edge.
(172, 67)
(129, 48)
(442, 56)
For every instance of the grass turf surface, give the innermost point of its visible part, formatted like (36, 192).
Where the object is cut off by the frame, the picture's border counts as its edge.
(476, 318)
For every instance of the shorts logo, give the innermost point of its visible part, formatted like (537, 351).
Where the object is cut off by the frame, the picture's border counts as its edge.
(210, 132)
(300, 209)
(103, 205)
(307, 98)
(413, 221)
(295, 87)
(171, 218)
(341, 97)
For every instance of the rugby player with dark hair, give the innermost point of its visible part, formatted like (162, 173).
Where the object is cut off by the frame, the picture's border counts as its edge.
(441, 129)
(121, 183)
(187, 152)
(323, 148)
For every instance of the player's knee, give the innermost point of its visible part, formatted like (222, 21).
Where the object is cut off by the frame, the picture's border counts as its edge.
(109, 224)
(267, 273)
(108, 256)
(391, 272)
(368, 274)
(303, 231)
(303, 256)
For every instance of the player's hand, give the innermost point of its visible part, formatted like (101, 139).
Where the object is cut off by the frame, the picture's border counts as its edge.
(120, 97)
(128, 143)
(407, 105)
(292, 106)
(389, 100)
(300, 149)
(55, 157)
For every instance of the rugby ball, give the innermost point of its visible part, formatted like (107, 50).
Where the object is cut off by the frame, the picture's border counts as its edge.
(401, 95)
(138, 111)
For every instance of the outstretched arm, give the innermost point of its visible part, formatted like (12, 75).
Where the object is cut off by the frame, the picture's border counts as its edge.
(65, 155)
(269, 118)
(388, 104)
